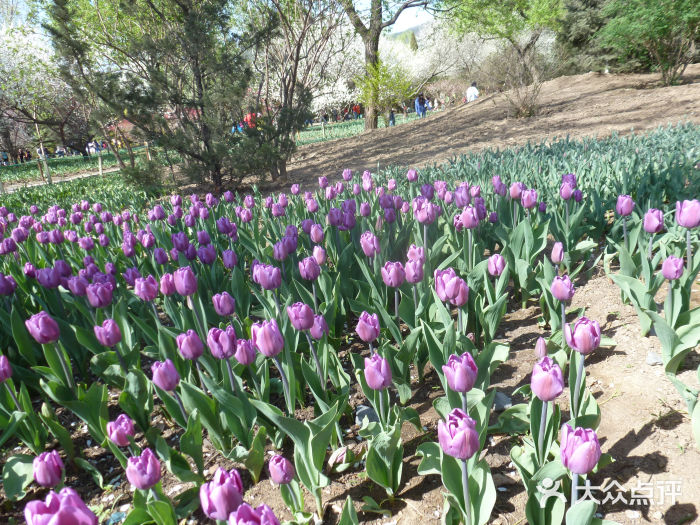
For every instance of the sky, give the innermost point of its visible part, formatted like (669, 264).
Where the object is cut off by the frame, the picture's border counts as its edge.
(412, 17)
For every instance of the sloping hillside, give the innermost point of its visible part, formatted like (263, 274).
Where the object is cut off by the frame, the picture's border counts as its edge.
(583, 105)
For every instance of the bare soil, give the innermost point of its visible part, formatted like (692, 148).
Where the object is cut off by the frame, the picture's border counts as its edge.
(589, 105)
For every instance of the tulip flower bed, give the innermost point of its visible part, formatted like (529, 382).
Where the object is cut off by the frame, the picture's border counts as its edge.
(261, 333)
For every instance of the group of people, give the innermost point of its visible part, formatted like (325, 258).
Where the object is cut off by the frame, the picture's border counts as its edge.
(423, 104)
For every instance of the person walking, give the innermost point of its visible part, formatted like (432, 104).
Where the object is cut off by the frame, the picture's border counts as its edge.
(392, 117)
(420, 106)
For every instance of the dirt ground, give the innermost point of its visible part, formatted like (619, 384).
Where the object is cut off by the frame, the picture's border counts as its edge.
(586, 105)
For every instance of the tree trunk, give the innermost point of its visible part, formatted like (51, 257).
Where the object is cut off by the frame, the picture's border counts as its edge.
(371, 59)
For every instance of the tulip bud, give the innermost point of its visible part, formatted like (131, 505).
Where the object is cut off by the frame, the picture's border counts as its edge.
(393, 274)
(585, 336)
(368, 327)
(229, 258)
(496, 265)
(562, 288)
(146, 288)
(190, 345)
(43, 328)
(185, 281)
(460, 372)
(566, 191)
(319, 328)
(414, 271)
(580, 449)
(653, 221)
(541, 348)
(528, 198)
(672, 268)
(457, 435)
(516, 190)
(224, 304)
(119, 430)
(247, 515)
(222, 495)
(281, 470)
(309, 269)
(557, 253)
(64, 508)
(369, 244)
(220, 343)
(48, 469)
(245, 353)
(167, 284)
(267, 338)
(624, 205)
(301, 316)
(143, 471)
(377, 372)
(688, 213)
(547, 381)
(5, 369)
(320, 255)
(108, 334)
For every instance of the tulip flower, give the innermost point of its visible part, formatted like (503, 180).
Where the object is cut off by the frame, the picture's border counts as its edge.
(557, 254)
(143, 471)
(459, 438)
(109, 333)
(118, 431)
(320, 255)
(267, 276)
(624, 208)
(369, 244)
(416, 253)
(496, 265)
(378, 377)
(368, 328)
(42, 328)
(281, 470)
(547, 381)
(309, 269)
(64, 508)
(580, 452)
(301, 316)
(319, 328)
(672, 268)
(528, 198)
(414, 272)
(185, 281)
(221, 343)
(247, 515)
(412, 175)
(498, 187)
(460, 374)
(5, 369)
(165, 375)
(541, 348)
(167, 284)
(245, 353)
(146, 288)
(224, 304)
(222, 495)
(190, 345)
(653, 223)
(584, 339)
(48, 469)
(267, 338)
(688, 216)
(566, 191)
(562, 288)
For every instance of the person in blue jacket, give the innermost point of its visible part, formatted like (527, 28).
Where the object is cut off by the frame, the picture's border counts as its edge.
(420, 106)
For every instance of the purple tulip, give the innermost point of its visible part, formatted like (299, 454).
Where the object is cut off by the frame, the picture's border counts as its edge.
(203, 238)
(578, 195)
(424, 211)
(224, 304)
(229, 258)
(47, 468)
(516, 190)
(460, 372)
(580, 449)
(185, 281)
(414, 271)
(42, 328)
(557, 253)
(566, 191)
(245, 353)
(190, 345)
(442, 278)
(221, 343)
(547, 381)
(528, 198)
(207, 254)
(562, 288)
(267, 276)
(281, 470)
(393, 274)
(130, 275)
(320, 255)
(416, 253)
(585, 336)
(301, 316)
(143, 471)
(653, 221)
(672, 268)
(368, 327)
(167, 284)
(48, 278)
(165, 375)
(319, 328)
(496, 265)
(457, 291)
(541, 348)
(309, 269)
(222, 495)
(267, 338)
(498, 187)
(108, 334)
(146, 288)
(247, 515)
(469, 218)
(64, 508)
(365, 209)
(5, 369)
(624, 205)
(457, 435)
(369, 244)
(377, 372)
(118, 431)
(412, 175)
(688, 213)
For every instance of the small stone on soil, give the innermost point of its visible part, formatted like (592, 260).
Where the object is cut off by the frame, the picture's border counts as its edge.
(654, 359)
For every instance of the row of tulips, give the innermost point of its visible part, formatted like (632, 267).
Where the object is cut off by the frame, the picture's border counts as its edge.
(229, 277)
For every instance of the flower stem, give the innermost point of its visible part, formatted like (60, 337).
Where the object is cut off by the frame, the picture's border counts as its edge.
(319, 369)
(415, 297)
(66, 370)
(465, 488)
(371, 349)
(574, 489)
(182, 407)
(230, 376)
(464, 402)
(567, 216)
(122, 363)
(285, 384)
(651, 243)
(563, 322)
(459, 320)
(689, 249)
(470, 262)
(13, 396)
(382, 420)
(543, 424)
(624, 231)
(396, 307)
(579, 377)
(313, 287)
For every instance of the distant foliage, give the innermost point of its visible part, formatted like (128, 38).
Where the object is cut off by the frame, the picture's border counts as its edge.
(667, 30)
